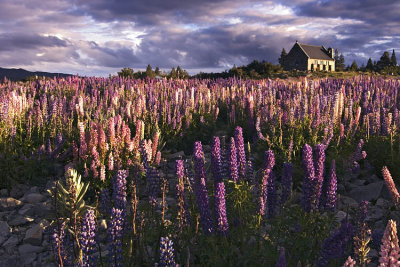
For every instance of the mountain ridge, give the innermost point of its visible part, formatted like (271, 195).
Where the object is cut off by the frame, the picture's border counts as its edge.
(14, 74)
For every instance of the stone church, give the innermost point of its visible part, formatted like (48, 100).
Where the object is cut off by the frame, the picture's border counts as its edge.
(310, 58)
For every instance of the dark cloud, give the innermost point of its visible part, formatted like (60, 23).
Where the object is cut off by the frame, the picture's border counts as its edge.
(196, 34)
(10, 41)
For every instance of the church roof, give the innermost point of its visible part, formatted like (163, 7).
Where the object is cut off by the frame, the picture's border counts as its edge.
(315, 52)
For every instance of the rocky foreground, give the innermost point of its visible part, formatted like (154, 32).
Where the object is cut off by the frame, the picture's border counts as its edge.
(25, 213)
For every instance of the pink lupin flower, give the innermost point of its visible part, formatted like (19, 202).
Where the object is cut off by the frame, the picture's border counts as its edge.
(349, 262)
(103, 173)
(391, 185)
(389, 254)
(110, 161)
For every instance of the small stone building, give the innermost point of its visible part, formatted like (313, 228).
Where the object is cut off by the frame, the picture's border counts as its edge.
(310, 58)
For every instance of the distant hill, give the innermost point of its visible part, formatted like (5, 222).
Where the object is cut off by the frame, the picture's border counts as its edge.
(20, 74)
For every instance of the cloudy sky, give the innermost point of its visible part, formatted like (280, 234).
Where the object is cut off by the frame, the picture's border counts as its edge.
(99, 37)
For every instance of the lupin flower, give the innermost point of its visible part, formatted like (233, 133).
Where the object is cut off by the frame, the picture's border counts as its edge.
(167, 257)
(110, 161)
(390, 250)
(309, 182)
(349, 262)
(216, 164)
(391, 185)
(319, 165)
(201, 189)
(272, 195)
(329, 197)
(287, 183)
(220, 208)
(58, 239)
(119, 189)
(233, 167)
(241, 155)
(115, 234)
(88, 239)
(334, 246)
(183, 211)
(282, 260)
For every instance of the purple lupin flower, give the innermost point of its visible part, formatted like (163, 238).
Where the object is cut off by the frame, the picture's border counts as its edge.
(309, 183)
(183, 211)
(269, 159)
(88, 242)
(263, 192)
(272, 195)
(167, 257)
(201, 189)
(105, 201)
(58, 244)
(119, 189)
(334, 246)
(319, 165)
(241, 155)
(115, 234)
(328, 199)
(287, 183)
(282, 260)
(233, 168)
(153, 183)
(216, 164)
(220, 208)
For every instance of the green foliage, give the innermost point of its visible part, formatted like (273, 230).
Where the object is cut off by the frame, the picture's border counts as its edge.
(300, 233)
(126, 73)
(69, 197)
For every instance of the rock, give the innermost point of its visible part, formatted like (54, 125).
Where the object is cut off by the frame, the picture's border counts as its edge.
(34, 235)
(374, 214)
(34, 198)
(367, 192)
(27, 210)
(176, 155)
(27, 248)
(341, 215)
(5, 230)
(11, 242)
(42, 209)
(373, 178)
(345, 202)
(28, 258)
(34, 189)
(20, 220)
(359, 182)
(18, 190)
(4, 192)
(383, 203)
(9, 203)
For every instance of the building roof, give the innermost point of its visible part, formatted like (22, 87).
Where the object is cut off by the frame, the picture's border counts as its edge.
(315, 52)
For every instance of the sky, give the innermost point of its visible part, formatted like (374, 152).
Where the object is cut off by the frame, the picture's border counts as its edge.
(99, 37)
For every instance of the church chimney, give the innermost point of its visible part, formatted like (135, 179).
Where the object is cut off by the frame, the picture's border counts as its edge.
(331, 52)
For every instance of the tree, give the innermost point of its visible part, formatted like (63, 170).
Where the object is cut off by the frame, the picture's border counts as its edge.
(384, 61)
(157, 71)
(172, 73)
(354, 66)
(149, 72)
(126, 73)
(282, 57)
(339, 61)
(370, 65)
(393, 59)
